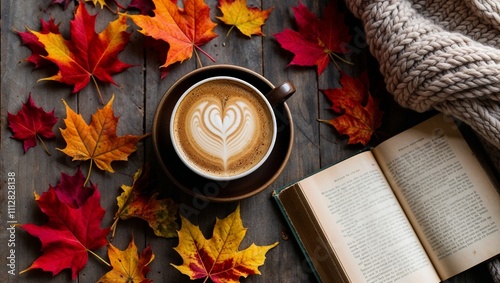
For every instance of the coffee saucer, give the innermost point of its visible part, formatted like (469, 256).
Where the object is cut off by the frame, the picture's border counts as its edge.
(220, 191)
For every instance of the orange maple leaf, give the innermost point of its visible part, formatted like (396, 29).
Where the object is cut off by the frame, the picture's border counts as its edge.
(359, 112)
(139, 201)
(218, 258)
(183, 29)
(97, 141)
(128, 265)
(87, 55)
(248, 20)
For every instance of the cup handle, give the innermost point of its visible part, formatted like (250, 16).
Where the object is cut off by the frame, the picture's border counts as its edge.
(279, 94)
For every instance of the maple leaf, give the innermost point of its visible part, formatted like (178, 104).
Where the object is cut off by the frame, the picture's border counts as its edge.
(37, 49)
(32, 123)
(69, 234)
(128, 265)
(360, 113)
(353, 91)
(98, 140)
(87, 55)
(218, 258)
(185, 30)
(138, 201)
(144, 6)
(103, 3)
(248, 20)
(63, 3)
(316, 41)
(71, 190)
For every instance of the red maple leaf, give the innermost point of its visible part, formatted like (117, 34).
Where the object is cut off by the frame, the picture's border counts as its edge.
(359, 112)
(87, 55)
(145, 7)
(316, 41)
(72, 191)
(70, 233)
(37, 49)
(30, 123)
(353, 91)
(63, 3)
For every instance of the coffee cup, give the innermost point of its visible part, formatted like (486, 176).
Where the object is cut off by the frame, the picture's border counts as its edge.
(224, 128)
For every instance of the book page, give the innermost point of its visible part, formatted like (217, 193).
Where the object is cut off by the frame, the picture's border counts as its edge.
(365, 224)
(449, 199)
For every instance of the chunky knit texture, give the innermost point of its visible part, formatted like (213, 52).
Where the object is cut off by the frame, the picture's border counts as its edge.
(443, 55)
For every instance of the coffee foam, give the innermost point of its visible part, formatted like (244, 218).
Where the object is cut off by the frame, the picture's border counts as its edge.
(223, 128)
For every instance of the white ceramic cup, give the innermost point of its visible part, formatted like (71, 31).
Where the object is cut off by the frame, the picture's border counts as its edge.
(202, 171)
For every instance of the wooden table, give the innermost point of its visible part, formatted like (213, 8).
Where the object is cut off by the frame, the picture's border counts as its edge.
(140, 88)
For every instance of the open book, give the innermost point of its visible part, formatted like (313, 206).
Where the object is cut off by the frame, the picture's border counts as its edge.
(419, 207)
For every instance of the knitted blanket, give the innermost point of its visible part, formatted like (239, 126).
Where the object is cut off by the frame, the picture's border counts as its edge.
(443, 55)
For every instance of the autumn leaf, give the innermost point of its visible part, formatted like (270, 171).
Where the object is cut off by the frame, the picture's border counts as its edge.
(218, 258)
(145, 7)
(32, 123)
(98, 140)
(87, 55)
(38, 52)
(139, 201)
(63, 3)
(102, 3)
(70, 233)
(317, 41)
(359, 112)
(353, 91)
(128, 266)
(71, 190)
(248, 20)
(185, 30)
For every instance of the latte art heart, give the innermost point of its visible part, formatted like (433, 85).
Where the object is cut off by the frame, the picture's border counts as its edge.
(223, 130)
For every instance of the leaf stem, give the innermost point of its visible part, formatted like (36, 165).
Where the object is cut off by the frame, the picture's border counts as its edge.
(198, 58)
(100, 258)
(113, 228)
(229, 31)
(44, 146)
(88, 173)
(340, 58)
(204, 52)
(98, 90)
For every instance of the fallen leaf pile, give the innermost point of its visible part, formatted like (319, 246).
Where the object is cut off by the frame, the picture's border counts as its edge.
(72, 208)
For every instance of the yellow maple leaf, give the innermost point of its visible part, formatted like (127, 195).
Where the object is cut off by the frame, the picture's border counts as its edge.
(100, 2)
(248, 20)
(128, 265)
(97, 141)
(218, 257)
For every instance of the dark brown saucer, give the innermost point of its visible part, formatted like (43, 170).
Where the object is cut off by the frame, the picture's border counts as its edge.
(220, 191)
